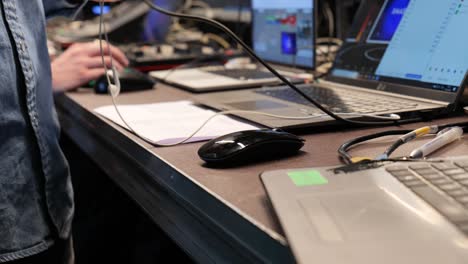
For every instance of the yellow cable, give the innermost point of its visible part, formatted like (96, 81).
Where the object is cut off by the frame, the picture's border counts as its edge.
(359, 159)
(218, 39)
(422, 131)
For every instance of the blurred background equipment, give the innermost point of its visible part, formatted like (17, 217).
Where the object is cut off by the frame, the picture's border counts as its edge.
(129, 21)
(333, 21)
(151, 41)
(154, 41)
(344, 14)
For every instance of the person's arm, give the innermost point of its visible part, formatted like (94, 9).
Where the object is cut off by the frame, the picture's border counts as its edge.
(82, 63)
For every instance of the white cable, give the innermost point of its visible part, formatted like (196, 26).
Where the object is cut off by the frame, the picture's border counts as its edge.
(187, 5)
(176, 26)
(331, 20)
(218, 39)
(391, 117)
(80, 8)
(116, 85)
(177, 29)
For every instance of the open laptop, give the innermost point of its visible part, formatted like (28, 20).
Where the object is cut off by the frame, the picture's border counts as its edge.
(404, 57)
(399, 213)
(282, 33)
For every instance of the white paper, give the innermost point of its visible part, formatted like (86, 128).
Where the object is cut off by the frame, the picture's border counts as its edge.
(168, 123)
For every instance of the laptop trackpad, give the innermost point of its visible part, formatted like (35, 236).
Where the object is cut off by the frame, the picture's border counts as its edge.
(256, 105)
(360, 216)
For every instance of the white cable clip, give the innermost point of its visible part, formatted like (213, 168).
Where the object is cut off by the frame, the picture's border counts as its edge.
(114, 88)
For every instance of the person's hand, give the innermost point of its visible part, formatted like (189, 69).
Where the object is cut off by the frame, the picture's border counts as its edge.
(81, 63)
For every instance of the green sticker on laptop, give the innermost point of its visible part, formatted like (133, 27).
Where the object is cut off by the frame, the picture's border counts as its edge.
(307, 178)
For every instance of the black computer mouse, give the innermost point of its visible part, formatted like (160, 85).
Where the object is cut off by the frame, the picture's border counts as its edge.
(130, 80)
(250, 146)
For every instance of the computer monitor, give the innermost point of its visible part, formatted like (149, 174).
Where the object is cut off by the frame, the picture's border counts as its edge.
(407, 42)
(284, 31)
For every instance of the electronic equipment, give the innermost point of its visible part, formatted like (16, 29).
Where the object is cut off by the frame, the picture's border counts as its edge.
(390, 119)
(381, 68)
(130, 80)
(283, 33)
(404, 212)
(118, 17)
(148, 57)
(250, 146)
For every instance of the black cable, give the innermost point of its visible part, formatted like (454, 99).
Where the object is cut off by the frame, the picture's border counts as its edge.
(265, 64)
(343, 150)
(393, 147)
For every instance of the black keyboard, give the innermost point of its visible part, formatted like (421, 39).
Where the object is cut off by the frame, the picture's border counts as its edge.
(442, 185)
(340, 100)
(243, 74)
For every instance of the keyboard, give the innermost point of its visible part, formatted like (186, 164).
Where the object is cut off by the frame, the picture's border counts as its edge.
(243, 74)
(340, 100)
(443, 185)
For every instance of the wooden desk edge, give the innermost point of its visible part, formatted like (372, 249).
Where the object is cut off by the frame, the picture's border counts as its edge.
(223, 235)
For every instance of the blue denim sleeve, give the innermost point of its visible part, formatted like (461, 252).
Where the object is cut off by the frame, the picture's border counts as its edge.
(58, 8)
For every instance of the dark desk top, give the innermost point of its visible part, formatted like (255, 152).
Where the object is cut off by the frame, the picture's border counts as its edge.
(238, 189)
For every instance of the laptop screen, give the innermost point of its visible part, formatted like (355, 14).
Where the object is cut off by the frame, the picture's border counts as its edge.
(413, 42)
(283, 31)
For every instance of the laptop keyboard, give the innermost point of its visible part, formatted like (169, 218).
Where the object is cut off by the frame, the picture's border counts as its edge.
(243, 74)
(442, 185)
(338, 100)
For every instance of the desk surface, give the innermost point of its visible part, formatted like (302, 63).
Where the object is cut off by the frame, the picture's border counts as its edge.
(227, 205)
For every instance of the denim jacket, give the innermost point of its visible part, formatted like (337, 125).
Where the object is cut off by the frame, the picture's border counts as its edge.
(36, 200)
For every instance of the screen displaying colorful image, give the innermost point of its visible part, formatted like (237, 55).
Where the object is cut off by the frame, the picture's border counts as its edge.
(288, 43)
(388, 21)
(283, 31)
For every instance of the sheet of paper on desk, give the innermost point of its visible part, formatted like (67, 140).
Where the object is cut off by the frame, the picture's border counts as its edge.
(167, 123)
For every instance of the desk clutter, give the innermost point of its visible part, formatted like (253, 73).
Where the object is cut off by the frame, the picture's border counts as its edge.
(400, 62)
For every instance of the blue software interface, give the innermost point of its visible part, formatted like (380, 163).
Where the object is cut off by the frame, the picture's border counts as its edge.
(414, 42)
(283, 31)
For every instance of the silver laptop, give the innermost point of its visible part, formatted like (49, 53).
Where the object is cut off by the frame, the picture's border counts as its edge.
(402, 213)
(411, 62)
(282, 33)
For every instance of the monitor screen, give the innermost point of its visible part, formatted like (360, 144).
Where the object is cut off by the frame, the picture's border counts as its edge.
(414, 42)
(283, 31)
